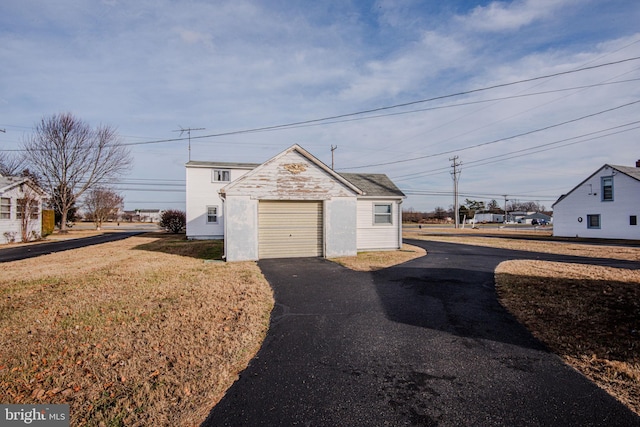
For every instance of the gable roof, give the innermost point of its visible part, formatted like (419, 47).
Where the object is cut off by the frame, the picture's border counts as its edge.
(8, 182)
(632, 172)
(374, 184)
(306, 155)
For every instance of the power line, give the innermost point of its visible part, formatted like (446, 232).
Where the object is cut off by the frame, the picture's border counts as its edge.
(499, 140)
(373, 110)
(509, 155)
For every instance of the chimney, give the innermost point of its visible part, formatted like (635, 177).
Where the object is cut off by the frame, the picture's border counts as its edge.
(638, 163)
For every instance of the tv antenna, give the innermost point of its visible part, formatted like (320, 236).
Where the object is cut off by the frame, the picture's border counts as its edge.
(188, 131)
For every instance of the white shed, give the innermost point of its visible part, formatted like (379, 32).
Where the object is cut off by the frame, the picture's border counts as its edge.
(605, 205)
(293, 205)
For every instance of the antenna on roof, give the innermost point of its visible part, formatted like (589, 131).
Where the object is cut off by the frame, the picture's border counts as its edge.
(188, 131)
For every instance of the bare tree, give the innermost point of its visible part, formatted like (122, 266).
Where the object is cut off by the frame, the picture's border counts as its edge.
(72, 157)
(11, 164)
(28, 213)
(102, 204)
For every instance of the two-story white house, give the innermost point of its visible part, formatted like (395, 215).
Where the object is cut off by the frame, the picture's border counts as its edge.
(605, 205)
(292, 205)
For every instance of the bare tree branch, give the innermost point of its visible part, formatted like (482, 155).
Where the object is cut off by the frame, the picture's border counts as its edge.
(72, 158)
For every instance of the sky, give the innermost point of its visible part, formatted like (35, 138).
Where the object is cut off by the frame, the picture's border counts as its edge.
(527, 97)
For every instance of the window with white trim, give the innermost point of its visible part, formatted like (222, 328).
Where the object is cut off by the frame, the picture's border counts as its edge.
(5, 208)
(382, 214)
(221, 175)
(212, 214)
(593, 221)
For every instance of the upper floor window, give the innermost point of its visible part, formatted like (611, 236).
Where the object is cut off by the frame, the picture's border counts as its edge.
(633, 220)
(221, 175)
(382, 213)
(5, 208)
(607, 188)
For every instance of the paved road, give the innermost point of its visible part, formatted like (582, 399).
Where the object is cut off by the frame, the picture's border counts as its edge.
(30, 251)
(424, 343)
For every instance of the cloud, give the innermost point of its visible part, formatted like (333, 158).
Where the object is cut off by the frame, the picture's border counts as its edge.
(510, 16)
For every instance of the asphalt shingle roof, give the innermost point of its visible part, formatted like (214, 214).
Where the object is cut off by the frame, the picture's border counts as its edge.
(374, 184)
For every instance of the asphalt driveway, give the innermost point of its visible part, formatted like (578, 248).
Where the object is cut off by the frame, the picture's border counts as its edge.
(29, 251)
(424, 343)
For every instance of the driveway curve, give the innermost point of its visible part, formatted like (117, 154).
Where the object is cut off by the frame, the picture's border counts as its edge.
(423, 343)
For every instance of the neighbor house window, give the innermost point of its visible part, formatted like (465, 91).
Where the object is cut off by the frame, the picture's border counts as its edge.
(31, 205)
(607, 188)
(633, 220)
(212, 214)
(5, 208)
(221, 175)
(593, 221)
(382, 213)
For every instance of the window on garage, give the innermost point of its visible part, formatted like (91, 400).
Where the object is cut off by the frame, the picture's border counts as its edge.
(382, 214)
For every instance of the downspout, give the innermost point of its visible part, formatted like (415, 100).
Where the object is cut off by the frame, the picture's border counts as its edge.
(399, 224)
(224, 224)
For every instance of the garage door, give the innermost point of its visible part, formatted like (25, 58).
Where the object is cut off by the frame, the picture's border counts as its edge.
(289, 229)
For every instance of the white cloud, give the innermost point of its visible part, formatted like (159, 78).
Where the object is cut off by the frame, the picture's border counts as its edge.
(508, 16)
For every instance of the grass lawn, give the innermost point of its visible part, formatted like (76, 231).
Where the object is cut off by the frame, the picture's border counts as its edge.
(138, 332)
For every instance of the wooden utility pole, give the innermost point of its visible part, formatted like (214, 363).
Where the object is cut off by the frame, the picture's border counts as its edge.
(332, 150)
(456, 176)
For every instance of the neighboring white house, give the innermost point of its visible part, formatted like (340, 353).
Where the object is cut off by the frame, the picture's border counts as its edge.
(605, 205)
(14, 190)
(293, 205)
(487, 217)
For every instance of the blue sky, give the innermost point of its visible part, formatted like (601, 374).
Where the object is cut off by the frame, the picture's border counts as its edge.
(149, 68)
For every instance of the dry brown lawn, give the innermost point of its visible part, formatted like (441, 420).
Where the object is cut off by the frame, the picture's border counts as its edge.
(147, 331)
(371, 261)
(138, 332)
(589, 315)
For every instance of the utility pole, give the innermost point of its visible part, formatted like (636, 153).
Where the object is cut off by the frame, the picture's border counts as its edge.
(332, 150)
(456, 176)
(188, 131)
(505, 207)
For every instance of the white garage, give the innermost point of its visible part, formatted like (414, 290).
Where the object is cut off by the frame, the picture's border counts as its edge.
(292, 205)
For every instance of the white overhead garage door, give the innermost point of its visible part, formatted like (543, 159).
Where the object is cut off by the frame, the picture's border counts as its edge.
(289, 229)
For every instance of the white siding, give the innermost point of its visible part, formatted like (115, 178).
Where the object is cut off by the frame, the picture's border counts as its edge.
(289, 177)
(587, 200)
(201, 194)
(377, 236)
(13, 225)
